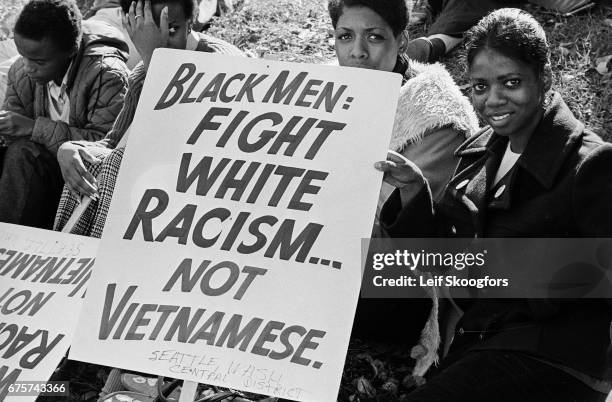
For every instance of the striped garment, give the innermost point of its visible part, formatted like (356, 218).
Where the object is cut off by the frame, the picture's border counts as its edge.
(91, 222)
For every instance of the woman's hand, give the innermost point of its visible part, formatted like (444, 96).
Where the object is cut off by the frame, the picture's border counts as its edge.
(403, 174)
(15, 125)
(143, 31)
(76, 176)
(400, 171)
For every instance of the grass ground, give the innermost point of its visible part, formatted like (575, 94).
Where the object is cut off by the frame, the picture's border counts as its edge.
(300, 30)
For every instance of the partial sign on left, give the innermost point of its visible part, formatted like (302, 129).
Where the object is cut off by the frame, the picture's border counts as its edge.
(43, 278)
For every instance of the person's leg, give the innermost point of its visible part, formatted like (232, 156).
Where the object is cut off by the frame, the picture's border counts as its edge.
(502, 376)
(107, 178)
(30, 184)
(453, 19)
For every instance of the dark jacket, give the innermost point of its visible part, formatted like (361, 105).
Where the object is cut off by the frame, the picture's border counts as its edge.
(96, 85)
(561, 186)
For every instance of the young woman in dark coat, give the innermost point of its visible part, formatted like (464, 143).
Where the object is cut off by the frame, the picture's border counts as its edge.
(535, 171)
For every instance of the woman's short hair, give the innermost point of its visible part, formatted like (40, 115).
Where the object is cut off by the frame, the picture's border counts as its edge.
(189, 6)
(513, 33)
(394, 12)
(58, 20)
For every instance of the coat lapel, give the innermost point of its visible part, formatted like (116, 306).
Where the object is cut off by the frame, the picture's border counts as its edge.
(473, 179)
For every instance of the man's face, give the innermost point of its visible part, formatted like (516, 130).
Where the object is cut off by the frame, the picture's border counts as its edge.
(44, 61)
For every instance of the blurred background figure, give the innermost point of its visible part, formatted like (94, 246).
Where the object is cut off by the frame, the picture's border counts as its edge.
(452, 18)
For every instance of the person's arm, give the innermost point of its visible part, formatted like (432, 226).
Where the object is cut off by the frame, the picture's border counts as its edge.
(409, 210)
(104, 103)
(19, 96)
(72, 155)
(101, 148)
(18, 108)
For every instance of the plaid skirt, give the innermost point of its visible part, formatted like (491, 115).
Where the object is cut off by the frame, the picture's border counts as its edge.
(91, 222)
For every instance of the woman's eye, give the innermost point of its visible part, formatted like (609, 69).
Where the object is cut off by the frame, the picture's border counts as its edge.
(513, 83)
(479, 88)
(376, 37)
(343, 36)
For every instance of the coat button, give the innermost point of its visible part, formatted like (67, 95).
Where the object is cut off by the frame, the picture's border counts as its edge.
(461, 331)
(500, 191)
(453, 230)
(462, 184)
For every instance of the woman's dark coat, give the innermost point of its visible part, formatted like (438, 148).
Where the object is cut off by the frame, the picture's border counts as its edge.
(561, 186)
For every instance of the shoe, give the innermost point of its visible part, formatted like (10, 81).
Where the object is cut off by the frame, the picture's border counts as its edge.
(140, 384)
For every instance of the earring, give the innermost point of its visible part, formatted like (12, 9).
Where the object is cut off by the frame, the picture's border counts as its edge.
(546, 100)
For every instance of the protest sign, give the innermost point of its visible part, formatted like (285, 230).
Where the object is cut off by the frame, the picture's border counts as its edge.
(232, 251)
(43, 278)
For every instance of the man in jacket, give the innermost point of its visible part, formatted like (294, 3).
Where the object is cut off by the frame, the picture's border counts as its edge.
(68, 85)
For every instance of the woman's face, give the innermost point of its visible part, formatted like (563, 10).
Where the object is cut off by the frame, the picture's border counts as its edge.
(178, 23)
(507, 94)
(365, 40)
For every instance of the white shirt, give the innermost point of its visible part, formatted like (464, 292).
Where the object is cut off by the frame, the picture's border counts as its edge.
(58, 103)
(506, 164)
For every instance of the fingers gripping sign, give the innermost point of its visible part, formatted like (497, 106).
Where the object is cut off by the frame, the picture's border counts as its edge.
(403, 174)
(143, 30)
(400, 171)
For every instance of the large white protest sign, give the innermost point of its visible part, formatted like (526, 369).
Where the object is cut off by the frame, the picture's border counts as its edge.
(43, 277)
(232, 251)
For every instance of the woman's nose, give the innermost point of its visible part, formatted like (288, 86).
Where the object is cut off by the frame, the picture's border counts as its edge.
(496, 97)
(360, 49)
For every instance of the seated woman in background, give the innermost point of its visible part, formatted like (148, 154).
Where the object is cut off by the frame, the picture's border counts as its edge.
(535, 171)
(152, 24)
(433, 118)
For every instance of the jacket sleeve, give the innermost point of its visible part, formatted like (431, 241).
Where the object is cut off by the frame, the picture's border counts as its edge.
(415, 219)
(434, 154)
(19, 96)
(103, 106)
(592, 193)
(102, 147)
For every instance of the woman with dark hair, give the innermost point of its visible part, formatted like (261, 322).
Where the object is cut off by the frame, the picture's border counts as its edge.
(534, 171)
(152, 24)
(433, 118)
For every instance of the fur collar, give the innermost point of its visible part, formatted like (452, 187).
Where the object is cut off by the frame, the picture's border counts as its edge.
(430, 99)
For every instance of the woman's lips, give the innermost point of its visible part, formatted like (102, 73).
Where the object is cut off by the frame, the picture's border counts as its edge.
(499, 117)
